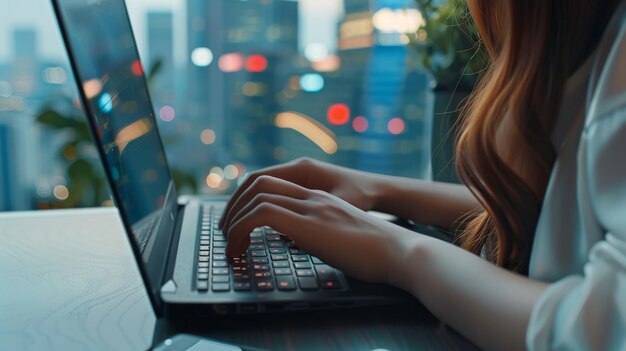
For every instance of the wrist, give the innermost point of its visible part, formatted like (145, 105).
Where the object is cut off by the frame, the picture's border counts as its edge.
(404, 259)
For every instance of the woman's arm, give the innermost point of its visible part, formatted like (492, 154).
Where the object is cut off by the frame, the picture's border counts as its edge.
(424, 202)
(487, 304)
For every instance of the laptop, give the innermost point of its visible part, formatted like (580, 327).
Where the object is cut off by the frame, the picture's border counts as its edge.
(175, 240)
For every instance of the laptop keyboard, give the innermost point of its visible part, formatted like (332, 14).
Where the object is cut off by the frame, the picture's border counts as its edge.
(272, 262)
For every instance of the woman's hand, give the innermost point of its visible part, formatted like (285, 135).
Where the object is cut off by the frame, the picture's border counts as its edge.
(355, 187)
(320, 223)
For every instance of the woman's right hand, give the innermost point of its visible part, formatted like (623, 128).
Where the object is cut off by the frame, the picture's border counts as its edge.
(355, 187)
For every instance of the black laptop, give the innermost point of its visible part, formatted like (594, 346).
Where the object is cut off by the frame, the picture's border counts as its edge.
(175, 241)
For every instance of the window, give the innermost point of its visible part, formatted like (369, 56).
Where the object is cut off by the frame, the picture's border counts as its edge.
(236, 85)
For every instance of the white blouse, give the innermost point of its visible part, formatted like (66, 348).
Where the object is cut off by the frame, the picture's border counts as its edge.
(580, 241)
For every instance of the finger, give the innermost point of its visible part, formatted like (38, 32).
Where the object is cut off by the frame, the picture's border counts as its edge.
(266, 214)
(264, 184)
(295, 205)
(290, 172)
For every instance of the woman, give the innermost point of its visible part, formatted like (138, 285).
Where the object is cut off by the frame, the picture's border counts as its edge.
(542, 215)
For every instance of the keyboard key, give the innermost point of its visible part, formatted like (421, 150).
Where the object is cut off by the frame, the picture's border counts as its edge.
(205, 232)
(219, 238)
(219, 244)
(285, 283)
(331, 284)
(258, 253)
(325, 272)
(220, 271)
(256, 241)
(205, 242)
(203, 259)
(256, 247)
(203, 264)
(202, 285)
(261, 267)
(262, 275)
(280, 264)
(203, 270)
(240, 269)
(305, 273)
(220, 287)
(282, 271)
(308, 283)
(205, 237)
(273, 237)
(300, 265)
(220, 264)
(279, 257)
(241, 277)
(316, 260)
(219, 250)
(219, 257)
(259, 260)
(203, 253)
(265, 285)
(241, 286)
(203, 276)
(299, 258)
(275, 244)
(277, 250)
(221, 279)
(296, 252)
(256, 235)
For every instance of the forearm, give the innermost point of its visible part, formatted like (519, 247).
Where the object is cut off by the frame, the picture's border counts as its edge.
(424, 202)
(485, 303)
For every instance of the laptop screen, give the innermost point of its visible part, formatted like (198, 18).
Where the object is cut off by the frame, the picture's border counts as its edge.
(110, 76)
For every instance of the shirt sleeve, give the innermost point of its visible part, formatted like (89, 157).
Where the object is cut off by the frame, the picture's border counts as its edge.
(588, 311)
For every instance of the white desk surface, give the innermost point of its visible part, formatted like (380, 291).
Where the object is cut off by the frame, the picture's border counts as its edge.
(51, 300)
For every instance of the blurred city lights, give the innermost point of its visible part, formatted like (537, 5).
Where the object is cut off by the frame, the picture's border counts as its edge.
(213, 180)
(231, 172)
(136, 68)
(396, 126)
(312, 82)
(55, 75)
(92, 88)
(207, 136)
(132, 132)
(329, 64)
(167, 113)
(398, 21)
(338, 114)
(61, 192)
(232, 62)
(201, 57)
(315, 52)
(256, 63)
(360, 124)
(106, 103)
(323, 137)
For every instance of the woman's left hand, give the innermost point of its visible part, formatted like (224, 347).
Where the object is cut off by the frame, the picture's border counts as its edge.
(323, 225)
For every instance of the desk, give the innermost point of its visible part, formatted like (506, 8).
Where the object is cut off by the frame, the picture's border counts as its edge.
(69, 282)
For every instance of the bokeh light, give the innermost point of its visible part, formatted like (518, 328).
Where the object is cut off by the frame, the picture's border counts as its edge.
(360, 124)
(207, 136)
(167, 113)
(232, 62)
(201, 57)
(315, 52)
(61, 192)
(105, 103)
(136, 68)
(231, 172)
(338, 114)
(312, 82)
(256, 63)
(396, 126)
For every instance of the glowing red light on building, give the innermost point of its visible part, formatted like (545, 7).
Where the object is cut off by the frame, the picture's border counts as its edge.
(338, 114)
(136, 68)
(396, 126)
(256, 63)
(360, 124)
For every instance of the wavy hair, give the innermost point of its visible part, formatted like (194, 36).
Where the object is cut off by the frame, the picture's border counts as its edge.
(504, 152)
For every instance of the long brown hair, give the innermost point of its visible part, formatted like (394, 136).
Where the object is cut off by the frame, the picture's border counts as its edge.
(504, 152)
